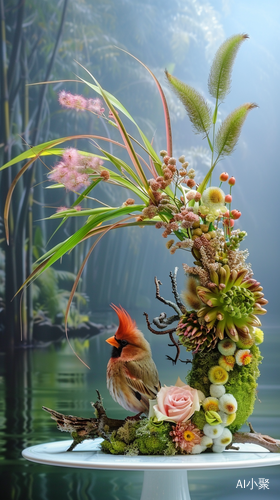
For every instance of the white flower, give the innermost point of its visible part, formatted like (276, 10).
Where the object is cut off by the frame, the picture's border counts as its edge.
(214, 198)
(227, 347)
(213, 431)
(227, 419)
(197, 449)
(216, 391)
(243, 357)
(218, 449)
(206, 441)
(224, 439)
(210, 404)
(228, 403)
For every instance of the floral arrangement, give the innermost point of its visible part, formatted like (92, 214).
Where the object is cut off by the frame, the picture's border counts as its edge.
(217, 320)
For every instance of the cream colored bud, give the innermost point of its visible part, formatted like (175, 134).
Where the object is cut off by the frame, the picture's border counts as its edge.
(172, 161)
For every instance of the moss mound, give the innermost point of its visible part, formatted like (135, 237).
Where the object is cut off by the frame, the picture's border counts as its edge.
(140, 438)
(242, 384)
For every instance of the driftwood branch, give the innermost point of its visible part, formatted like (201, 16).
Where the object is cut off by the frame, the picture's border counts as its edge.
(253, 437)
(102, 426)
(86, 428)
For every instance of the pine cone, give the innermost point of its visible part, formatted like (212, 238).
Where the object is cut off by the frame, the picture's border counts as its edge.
(194, 336)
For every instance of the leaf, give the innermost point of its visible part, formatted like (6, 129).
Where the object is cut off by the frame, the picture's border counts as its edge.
(79, 235)
(229, 131)
(195, 104)
(164, 104)
(117, 104)
(220, 74)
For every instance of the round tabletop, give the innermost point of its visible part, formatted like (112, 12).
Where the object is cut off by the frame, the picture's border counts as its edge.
(88, 455)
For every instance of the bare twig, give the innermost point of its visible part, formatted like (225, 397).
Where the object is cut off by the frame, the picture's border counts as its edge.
(165, 301)
(173, 277)
(162, 321)
(170, 333)
(171, 330)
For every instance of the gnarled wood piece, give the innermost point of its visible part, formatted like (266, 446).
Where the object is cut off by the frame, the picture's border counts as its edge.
(86, 428)
(89, 428)
(267, 442)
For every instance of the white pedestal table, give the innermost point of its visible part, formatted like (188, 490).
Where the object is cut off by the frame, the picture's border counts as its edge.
(165, 477)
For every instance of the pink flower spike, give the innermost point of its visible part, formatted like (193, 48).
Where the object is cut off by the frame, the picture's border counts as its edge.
(228, 198)
(80, 102)
(71, 157)
(96, 106)
(69, 100)
(61, 209)
(65, 99)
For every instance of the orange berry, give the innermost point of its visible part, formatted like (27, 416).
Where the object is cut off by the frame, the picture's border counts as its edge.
(224, 177)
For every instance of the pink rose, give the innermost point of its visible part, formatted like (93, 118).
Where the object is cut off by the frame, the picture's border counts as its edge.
(176, 403)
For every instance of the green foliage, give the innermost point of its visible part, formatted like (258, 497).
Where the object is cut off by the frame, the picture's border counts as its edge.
(50, 301)
(141, 438)
(197, 108)
(241, 384)
(220, 73)
(229, 131)
(199, 112)
(199, 419)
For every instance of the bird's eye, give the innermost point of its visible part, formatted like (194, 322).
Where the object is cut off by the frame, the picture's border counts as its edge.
(123, 343)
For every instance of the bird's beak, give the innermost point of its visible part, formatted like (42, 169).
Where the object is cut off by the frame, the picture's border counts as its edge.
(113, 342)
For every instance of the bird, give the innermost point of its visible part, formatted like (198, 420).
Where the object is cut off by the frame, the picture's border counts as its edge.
(132, 376)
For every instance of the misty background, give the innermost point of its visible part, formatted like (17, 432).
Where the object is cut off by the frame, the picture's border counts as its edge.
(50, 39)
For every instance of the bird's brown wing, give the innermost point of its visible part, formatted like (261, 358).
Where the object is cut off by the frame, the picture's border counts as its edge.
(142, 377)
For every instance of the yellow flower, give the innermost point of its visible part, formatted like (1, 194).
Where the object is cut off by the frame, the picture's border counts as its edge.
(210, 404)
(218, 375)
(213, 197)
(243, 357)
(188, 435)
(258, 335)
(227, 362)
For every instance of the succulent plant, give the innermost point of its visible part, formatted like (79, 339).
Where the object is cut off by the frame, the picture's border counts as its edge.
(232, 300)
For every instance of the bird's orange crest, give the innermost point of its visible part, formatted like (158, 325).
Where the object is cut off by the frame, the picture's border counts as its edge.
(126, 324)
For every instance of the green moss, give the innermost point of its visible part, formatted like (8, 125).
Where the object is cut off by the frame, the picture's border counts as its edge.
(152, 438)
(198, 376)
(114, 447)
(152, 445)
(127, 432)
(145, 437)
(241, 384)
(199, 419)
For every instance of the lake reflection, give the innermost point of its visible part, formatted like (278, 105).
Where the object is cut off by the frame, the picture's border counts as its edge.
(55, 378)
